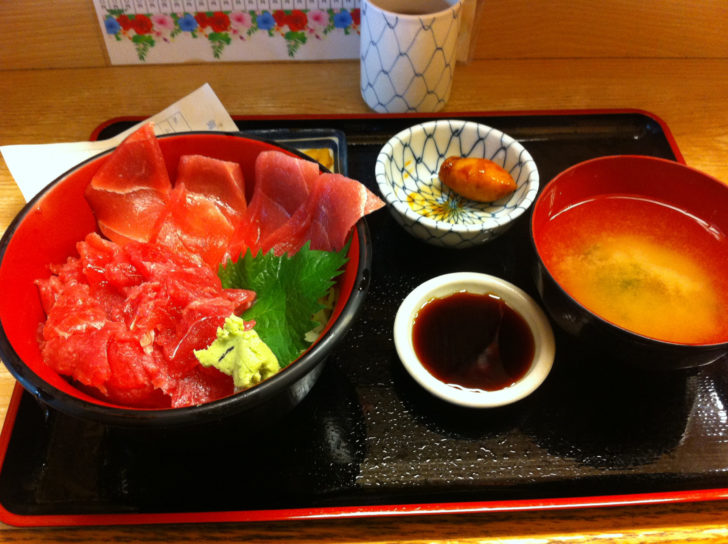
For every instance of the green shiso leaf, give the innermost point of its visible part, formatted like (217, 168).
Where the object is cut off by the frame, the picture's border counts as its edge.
(288, 292)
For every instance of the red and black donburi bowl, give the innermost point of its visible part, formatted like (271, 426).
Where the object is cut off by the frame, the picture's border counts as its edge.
(46, 231)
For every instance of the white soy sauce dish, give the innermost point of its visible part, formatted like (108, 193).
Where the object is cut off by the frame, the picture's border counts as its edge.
(506, 316)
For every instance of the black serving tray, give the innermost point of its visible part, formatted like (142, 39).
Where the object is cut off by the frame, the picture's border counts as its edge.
(368, 440)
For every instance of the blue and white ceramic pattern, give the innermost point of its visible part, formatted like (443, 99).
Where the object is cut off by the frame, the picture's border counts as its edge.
(407, 171)
(408, 61)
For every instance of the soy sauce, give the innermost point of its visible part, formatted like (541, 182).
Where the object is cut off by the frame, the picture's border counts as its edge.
(473, 341)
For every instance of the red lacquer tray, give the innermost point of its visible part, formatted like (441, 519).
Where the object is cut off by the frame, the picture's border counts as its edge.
(368, 441)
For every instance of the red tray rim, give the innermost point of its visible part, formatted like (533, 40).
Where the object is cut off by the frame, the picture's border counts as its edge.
(340, 512)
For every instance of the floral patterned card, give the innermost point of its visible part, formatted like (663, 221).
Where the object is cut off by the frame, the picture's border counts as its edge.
(176, 31)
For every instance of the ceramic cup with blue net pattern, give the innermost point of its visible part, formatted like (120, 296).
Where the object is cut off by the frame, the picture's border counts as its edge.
(407, 173)
(408, 53)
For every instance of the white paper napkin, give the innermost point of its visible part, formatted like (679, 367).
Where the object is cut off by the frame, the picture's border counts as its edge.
(35, 166)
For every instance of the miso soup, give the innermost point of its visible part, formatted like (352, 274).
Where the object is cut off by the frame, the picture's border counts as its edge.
(643, 265)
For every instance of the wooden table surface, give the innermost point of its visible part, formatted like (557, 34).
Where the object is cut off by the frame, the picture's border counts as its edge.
(689, 95)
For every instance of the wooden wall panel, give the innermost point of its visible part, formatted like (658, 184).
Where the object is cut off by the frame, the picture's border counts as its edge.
(55, 34)
(602, 28)
(65, 33)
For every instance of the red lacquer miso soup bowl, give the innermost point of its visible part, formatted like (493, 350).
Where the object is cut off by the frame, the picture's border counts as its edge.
(633, 259)
(46, 232)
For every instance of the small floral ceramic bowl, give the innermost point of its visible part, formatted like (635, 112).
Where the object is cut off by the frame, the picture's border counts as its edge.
(407, 174)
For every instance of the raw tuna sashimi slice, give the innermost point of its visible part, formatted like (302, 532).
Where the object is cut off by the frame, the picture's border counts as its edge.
(194, 223)
(190, 281)
(134, 369)
(282, 185)
(330, 212)
(221, 181)
(130, 190)
(75, 336)
(201, 385)
(203, 208)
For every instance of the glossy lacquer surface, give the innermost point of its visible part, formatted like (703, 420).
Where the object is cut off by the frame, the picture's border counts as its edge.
(368, 437)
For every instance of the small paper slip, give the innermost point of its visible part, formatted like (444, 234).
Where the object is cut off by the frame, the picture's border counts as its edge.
(35, 166)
